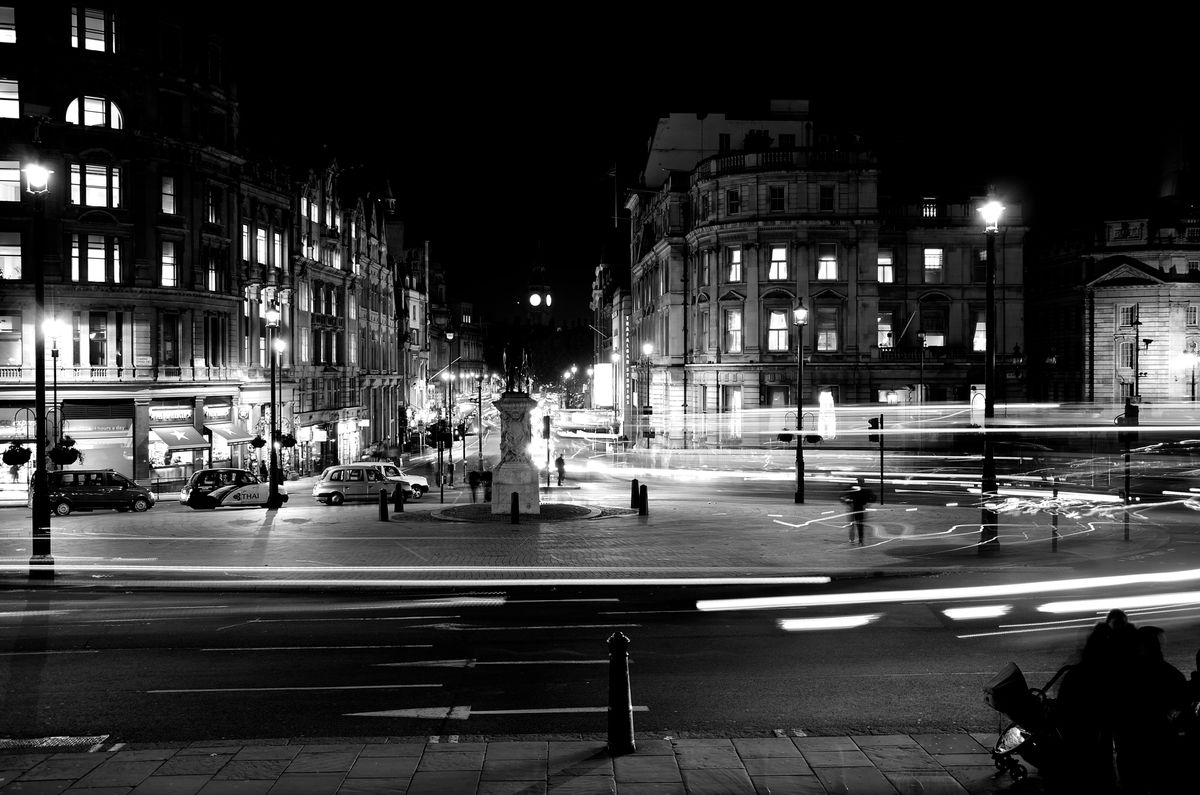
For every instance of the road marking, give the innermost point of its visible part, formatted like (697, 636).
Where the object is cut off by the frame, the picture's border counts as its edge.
(282, 689)
(464, 712)
(319, 648)
(471, 663)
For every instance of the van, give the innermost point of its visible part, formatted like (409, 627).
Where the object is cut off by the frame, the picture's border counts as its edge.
(89, 489)
(356, 482)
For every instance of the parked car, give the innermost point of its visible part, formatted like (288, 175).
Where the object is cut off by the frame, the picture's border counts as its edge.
(417, 484)
(226, 486)
(358, 482)
(89, 489)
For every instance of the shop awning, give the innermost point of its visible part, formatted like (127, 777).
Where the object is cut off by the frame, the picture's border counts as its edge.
(179, 437)
(233, 434)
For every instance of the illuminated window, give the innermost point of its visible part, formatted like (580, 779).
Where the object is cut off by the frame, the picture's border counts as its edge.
(214, 273)
(168, 271)
(933, 266)
(885, 268)
(212, 205)
(733, 331)
(929, 207)
(733, 272)
(245, 242)
(95, 185)
(277, 241)
(10, 99)
(96, 259)
(99, 29)
(305, 344)
(8, 25)
(827, 264)
(168, 195)
(1192, 315)
(10, 181)
(933, 322)
(260, 246)
(778, 268)
(883, 329)
(97, 112)
(10, 255)
(979, 329)
(827, 328)
(777, 330)
(11, 349)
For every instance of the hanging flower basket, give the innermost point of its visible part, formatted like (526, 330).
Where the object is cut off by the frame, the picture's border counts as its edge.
(65, 455)
(258, 442)
(287, 440)
(16, 455)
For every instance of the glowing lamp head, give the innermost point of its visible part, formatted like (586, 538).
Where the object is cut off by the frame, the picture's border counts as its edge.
(991, 215)
(37, 178)
(54, 328)
(535, 299)
(647, 348)
(272, 317)
(800, 315)
(280, 345)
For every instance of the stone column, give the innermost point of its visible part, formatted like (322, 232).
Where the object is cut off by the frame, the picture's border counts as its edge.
(516, 472)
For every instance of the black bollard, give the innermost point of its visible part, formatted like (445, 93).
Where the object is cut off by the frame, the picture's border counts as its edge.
(516, 507)
(398, 498)
(620, 701)
(644, 503)
(383, 517)
(633, 494)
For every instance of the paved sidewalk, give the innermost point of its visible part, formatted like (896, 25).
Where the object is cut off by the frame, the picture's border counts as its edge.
(860, 765)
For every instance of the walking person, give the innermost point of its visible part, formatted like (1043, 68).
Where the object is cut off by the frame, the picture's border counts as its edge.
(857, 497)
(561, 466)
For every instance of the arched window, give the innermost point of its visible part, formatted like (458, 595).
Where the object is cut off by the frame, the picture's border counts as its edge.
(95, 112)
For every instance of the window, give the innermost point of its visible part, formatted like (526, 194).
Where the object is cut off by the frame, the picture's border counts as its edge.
(1126, 315)
(723, 142)
(733, 331)
(98, 27)
(733, 271)
(733, 202)
(979, 329)
(168, 272)
(97, 112)
(705, 344)
(1192, 319)
(884, 321)
(212, 206)
(705, 267)
(827, 198)
(884, 267)
(1125, 355)
(170, 340)
(10, 255)
(168, 195)
(777, 330)
(929, 207)
(260, 246)
(827, 264)
(778, 267)
(277, 241)
(778, 196)
(98, 338)
(933, 322)
(827, 328)
(979, 266)
(787, 140)
(705, 206)
(304, 297)
(212, 266)
(303, 337)
(96, 259)
(10, 338)
(933, 266)
(10, 99)
(10, 181)
(245, 242)
(1193, 266)
(8, 25)
(95, 185)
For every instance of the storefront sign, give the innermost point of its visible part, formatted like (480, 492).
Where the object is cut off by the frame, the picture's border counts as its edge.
(320, 435)
(220, 412)
(173, 414)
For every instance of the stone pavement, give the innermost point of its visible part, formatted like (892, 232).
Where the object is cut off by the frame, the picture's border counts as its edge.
(859, 765)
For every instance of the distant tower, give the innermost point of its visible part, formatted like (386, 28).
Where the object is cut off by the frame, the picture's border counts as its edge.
(539, 300)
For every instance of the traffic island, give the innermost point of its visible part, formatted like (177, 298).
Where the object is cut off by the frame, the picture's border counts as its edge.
(549, 512)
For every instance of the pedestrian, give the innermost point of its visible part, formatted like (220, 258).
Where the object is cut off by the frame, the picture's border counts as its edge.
(473, 478)
(857, 497)
(1149, 718)
(15, 471)
(561, 466)
(262, 470)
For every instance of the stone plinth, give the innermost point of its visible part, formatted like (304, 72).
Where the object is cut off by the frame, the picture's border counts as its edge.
(516, 471)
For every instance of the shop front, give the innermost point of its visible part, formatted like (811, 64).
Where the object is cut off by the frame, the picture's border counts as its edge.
(176, 448)
(229, 437)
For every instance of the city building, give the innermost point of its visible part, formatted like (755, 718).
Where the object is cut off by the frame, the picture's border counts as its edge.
(742, 221)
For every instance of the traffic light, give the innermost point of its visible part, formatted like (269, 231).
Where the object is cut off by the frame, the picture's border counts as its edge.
(875, 423)
(546, 427)
(459, 431)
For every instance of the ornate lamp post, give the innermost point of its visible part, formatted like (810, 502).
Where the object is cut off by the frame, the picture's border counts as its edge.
(448, 381)
(55, 328)
(921, 384)
(273, 498)
(41, 563)
(647, 407)
(988, 537)
(800, 319)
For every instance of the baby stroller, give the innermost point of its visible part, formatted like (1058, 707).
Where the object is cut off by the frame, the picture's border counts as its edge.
(1033, 733)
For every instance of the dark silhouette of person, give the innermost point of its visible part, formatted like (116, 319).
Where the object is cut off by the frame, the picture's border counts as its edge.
(561, 466)
(262, 470)
(857, 497)
(1153, 703)
(473, 478)
(1084, 707)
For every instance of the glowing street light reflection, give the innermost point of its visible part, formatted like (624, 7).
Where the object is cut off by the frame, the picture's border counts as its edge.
(831, 622)
(983, 611)
(1122, 603)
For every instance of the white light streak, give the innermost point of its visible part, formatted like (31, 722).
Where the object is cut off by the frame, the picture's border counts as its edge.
(1122, 603)
(832, 622)
(983, 611)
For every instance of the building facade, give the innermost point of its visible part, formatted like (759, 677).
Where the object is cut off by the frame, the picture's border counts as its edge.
(774, 216)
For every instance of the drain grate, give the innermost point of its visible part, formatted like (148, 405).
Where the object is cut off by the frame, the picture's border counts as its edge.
(52, 742)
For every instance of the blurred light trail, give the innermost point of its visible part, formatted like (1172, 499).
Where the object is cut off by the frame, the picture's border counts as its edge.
(942, 594)
(984, 611)
(1122, 603)
(832, 622)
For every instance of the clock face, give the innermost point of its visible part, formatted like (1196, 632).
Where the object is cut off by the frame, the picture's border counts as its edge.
(535, 299)
(549, 299)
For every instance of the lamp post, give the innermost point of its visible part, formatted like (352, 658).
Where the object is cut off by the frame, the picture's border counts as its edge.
(55, 328)
(41, 562)
(273, 498)
(988, 537)
(448, 381)
(615, 359)
(800, 319)
(647, 407)
(921, 382)
(479, 431)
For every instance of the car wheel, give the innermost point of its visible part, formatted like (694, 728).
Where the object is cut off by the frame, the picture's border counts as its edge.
(140, 504)
(337, 498)
(62, 508)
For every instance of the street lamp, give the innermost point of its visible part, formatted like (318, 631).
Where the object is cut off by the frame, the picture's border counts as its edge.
(921, 382)
(647, 406)
(277, 345)
(448, 381)
(800, 319)
(988, 537)
(1188, 359)
(55, 328)
(41, 563)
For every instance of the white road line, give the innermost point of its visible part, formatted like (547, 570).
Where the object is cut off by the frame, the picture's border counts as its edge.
(470, 663)
(283, 689)
(465, 711)
(319, 648)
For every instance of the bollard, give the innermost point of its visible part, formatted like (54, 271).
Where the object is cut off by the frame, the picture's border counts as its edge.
(633, 494)
(383, 505)
(620, 701)
(516, 507)
(644, 503)
(398, 498)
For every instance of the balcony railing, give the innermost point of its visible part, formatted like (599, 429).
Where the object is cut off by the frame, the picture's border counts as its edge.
(94, 375)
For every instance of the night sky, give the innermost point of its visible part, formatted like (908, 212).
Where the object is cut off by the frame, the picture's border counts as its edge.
(499, 134)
